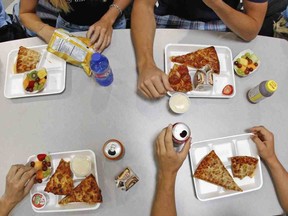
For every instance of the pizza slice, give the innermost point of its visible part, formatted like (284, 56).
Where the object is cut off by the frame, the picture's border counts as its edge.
(27, 59)
(212, 170)
(61, 182)
(87, 191)
(200, 58)
(180, 79)
(243, 166)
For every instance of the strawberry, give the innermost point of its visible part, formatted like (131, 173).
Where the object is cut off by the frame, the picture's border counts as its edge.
(228, 90)
(41, 157)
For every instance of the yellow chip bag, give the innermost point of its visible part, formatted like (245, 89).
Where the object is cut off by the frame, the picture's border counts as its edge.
(72, 49)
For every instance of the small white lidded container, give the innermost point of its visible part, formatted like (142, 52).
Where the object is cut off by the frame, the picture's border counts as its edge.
(81, 165)
(179, 102)
(38, 200)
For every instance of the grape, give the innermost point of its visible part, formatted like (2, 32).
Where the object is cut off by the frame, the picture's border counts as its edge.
(32, 163)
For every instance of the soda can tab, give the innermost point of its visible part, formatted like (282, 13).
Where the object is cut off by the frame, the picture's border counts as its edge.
(113, 149)
(126, 179)
(180, 133)
(203, 79)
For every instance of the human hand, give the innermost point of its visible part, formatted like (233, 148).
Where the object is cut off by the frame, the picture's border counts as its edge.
(19, 181)
(169, 161)
(100, 34)
(264, 140)
(153, 83)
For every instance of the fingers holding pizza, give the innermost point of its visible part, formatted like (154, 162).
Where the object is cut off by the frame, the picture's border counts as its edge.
(153, 83)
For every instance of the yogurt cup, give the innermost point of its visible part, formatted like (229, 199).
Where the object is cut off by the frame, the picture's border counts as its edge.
(38, 200)
(81, 165)
(179, 102)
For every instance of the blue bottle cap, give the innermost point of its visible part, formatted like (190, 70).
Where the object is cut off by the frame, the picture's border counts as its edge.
(98, 57)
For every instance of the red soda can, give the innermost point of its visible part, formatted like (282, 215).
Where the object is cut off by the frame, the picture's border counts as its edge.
(180, 133)
(113, 149)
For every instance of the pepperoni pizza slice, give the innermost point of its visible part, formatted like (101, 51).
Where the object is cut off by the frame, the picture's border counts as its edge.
(180, 79)
(87, 191)
(61, 182)
(27, 59)
(211, 169)
(200, 58)
(243, 166)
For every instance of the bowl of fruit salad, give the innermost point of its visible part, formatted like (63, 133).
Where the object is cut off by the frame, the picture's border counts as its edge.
(34, 81)
(44, 167)
(246, 63)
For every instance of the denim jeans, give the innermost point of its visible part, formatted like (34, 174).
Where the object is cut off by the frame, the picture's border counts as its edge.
(120, 23)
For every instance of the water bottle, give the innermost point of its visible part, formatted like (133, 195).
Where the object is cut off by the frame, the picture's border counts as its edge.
(101, 70)
(263, 90)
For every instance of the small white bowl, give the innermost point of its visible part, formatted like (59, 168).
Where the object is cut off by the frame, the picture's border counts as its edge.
(81, 165)
(179, 103)
(239, 56)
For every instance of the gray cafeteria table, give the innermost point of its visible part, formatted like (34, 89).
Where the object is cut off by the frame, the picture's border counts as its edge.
(85, 115)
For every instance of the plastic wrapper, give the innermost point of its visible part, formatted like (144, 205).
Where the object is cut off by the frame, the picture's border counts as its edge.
(126, 179)
(72, 49)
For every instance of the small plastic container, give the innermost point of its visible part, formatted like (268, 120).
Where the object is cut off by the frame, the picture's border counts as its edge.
(38, 200)
(179, 103)
(81, 165)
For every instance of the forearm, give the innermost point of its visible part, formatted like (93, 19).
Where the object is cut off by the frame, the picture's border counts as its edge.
(35, 24)
(143, 31)
(5, 207)
(280, 179)
(242, 24)
(113, 13)
(164, 201)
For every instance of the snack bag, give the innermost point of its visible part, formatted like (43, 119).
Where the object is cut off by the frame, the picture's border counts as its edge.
(72, 49)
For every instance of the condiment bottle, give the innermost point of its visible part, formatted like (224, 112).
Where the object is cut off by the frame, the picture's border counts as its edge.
(263, 90)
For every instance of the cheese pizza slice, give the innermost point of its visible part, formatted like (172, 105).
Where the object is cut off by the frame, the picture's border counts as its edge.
(27, 59)
(243, 166)
(61, 182)
(211, 169)
(200, 58)
(87, 191)
(180, 79)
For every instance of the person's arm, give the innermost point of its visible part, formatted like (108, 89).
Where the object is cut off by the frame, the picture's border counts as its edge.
(30, 20)
(152, 82)
(246, 25)
(169, 162)
(264, 141)
(19, 181)
(100, 33)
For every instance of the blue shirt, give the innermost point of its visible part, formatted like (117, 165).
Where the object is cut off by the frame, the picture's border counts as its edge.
(194, 10)
(4, 18)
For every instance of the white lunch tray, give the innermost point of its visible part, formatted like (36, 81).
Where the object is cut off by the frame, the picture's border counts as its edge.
(56, 78)
(225, 77)
(52, 200)
(226, 147)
